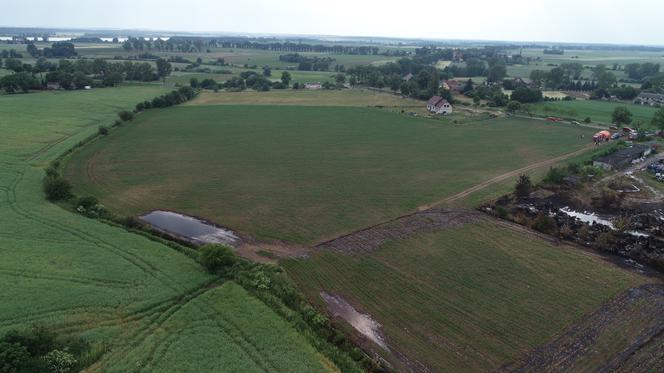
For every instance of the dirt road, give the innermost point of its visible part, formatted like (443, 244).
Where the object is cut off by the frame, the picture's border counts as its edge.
(505, 176)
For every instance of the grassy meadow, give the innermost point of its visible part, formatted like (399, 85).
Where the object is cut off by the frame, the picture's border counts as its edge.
(597, 111)
(303, 173)
(117, 289)
(469, 298)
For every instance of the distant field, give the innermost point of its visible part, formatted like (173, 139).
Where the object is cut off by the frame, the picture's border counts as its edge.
(354, 97)
(118, 290)
(302, 173)
(469, 298)
(589, 58)
(598, 111)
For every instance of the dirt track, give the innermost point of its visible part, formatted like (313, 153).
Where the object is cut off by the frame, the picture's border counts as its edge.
(505, 176)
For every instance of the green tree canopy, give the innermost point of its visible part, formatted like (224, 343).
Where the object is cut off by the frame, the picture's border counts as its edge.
(621, 115)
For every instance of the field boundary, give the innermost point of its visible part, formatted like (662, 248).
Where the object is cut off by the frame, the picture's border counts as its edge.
(462, 194)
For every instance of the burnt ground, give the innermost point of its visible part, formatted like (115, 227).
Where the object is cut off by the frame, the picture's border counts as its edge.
(585, 340)
(431, 220)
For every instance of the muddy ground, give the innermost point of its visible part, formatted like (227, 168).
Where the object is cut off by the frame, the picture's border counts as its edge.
(431, 220)
(588, 337)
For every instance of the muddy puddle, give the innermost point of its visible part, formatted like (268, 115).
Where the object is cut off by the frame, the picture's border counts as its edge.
(189, 228)
(363, 323)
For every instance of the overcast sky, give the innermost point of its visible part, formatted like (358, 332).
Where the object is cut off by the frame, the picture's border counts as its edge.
(603, 21)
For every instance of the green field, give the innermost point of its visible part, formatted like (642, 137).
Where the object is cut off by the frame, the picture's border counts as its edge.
(118, 290)
(468, 298)
(353, 97)
(598, 111)
(589, 58)
(302, 174)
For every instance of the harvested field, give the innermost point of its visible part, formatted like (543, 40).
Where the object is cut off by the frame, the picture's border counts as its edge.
(353, 97)
(299, 174)
(628, 330)
(469, 297)
(366, 240)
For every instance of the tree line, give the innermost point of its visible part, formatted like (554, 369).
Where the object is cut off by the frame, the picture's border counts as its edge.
(78, 74)
(305, 63)
(61, 49)
(200, 44)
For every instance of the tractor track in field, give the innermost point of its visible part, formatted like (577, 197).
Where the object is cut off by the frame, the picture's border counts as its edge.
(429, 217)
(583, 339)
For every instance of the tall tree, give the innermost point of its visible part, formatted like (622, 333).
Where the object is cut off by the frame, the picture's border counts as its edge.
(658, 119)
(621, 115)
(163, 69)
(285, 78)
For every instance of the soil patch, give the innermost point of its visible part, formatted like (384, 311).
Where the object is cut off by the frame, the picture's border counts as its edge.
(368, 239)
(363, 323)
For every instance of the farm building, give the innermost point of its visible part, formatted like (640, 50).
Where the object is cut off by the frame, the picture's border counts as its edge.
(439, 105)
(451, 85)
(651, 99)
(622, 158)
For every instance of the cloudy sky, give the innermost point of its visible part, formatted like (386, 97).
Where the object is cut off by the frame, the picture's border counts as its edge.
(604, 21)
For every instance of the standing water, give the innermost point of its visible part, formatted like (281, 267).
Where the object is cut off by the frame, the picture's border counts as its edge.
(195, 230)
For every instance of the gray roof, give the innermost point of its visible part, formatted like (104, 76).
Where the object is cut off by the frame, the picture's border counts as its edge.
(654, 96)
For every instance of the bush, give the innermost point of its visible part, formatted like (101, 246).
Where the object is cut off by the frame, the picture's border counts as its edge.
(587, 120)
(58, 361)
(126, 115)
(103, 130)
(605, 241)
(523, 186)
(56, 188)
(501, 212)
(216, 257)
(555, 175)
(608, 199)
(131, 222)
(87, 202)
(14, 357)
(544, 223)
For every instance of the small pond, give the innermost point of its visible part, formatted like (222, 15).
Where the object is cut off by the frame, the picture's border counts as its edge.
(198, 231)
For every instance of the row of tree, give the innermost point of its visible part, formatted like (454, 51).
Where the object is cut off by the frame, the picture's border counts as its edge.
(306, 63)
(639, 71)
(200, 44)
(61, 49)
(78, 74)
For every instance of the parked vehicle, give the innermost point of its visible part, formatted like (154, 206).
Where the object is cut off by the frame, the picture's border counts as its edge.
(602, 136)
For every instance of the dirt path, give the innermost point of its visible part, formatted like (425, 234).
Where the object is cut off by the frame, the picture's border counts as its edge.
(505, 176)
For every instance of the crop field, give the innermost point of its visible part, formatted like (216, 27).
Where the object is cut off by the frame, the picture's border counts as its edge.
(113, 287)
(300, 173)
(598, 111)
(354, 97)
(466, 298)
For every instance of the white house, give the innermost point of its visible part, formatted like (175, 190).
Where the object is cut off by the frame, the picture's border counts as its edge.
(439, 105)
